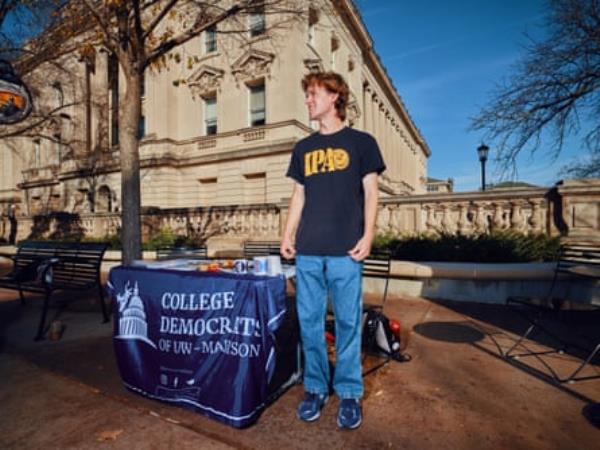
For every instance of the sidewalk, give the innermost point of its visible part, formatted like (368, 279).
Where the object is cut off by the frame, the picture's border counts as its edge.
(454, 393)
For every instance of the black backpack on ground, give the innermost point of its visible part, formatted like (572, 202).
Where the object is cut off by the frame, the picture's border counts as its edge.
(378, 338)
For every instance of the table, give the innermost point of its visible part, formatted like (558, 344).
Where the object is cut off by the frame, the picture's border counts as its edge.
(224, 345)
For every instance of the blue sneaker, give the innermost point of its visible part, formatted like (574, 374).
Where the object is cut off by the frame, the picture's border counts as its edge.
(349, 414)
(310, 408)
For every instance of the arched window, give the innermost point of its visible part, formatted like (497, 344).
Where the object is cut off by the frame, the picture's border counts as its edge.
(104, 199)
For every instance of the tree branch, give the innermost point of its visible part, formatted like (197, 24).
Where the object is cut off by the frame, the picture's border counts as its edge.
(198, 27)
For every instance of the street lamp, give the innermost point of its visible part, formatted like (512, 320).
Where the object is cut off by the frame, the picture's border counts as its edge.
(483, 151)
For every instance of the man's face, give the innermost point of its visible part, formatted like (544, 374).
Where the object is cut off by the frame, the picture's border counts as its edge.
(320, 102)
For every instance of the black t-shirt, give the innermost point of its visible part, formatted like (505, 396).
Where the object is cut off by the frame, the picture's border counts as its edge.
(331, 168)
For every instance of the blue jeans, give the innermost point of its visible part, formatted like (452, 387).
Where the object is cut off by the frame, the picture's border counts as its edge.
(342, 277)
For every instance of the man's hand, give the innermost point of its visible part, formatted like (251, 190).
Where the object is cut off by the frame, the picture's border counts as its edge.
(287, 248)
(362, 249)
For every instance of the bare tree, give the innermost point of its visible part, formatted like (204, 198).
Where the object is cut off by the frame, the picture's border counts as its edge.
(554, 92)
(140, 33)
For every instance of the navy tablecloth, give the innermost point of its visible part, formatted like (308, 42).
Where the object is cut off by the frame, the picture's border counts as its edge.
(220, 344)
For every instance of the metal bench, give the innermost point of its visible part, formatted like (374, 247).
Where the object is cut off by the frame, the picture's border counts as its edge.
(47, 266)
(263, 248)
(575, 262)
(181, 252)
(378, 265)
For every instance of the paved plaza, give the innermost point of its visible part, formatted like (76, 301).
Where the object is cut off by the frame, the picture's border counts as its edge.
(455, 393)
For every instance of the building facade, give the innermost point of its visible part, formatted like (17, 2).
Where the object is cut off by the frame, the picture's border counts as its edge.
(441, 186)
(218, 124)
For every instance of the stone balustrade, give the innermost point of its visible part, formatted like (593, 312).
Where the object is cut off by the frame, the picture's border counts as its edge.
(523, 210)
(570, 209)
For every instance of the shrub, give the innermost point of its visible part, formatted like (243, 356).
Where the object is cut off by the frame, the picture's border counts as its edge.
(495, 247)
(67, 227)
(114, 240)
(163, 238)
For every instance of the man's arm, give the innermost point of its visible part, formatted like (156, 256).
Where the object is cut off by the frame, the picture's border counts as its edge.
(363, 247)
(293, 219)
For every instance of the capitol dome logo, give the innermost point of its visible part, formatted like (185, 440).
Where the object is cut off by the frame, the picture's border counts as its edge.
(132, 317)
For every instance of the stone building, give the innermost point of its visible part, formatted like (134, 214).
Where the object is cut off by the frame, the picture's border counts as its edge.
(436, 185)
(218, 124)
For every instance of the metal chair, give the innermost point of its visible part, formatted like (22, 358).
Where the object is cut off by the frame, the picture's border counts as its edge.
(378, 265)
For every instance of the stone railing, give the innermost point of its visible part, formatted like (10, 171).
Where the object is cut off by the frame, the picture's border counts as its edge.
(570, 209)
(236, 223)
(527, 211)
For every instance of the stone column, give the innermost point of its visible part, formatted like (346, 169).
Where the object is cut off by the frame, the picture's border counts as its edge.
(368, 109)
(448, 222)
(464, 226)
(431, 222)
(481, 223)
(536, 217)
(498, 219)
(517, 220)
(375, 117)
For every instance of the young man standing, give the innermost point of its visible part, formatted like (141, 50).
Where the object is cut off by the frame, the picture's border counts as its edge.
(330, 229)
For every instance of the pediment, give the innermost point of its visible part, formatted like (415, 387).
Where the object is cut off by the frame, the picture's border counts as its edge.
(314, 64)
(313, 61)
(252, 64)
(205, 79)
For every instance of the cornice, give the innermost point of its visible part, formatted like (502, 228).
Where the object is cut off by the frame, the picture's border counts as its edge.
(350, 14)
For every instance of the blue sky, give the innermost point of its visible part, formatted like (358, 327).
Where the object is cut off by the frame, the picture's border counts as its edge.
(444, 57)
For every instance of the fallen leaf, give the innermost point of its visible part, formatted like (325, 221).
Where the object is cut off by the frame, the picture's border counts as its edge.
(109, 435)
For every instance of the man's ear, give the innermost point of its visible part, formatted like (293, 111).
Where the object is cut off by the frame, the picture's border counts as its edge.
(334, 96)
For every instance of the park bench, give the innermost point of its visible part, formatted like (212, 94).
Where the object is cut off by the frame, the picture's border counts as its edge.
(181, 252)
(47, 266)
(378, 265)
(263, 248)
(575, 263)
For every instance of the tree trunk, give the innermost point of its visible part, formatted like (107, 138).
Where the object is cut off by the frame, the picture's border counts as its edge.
(130, 169)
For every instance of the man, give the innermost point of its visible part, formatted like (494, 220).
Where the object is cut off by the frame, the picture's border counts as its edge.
(330, 229)
(12, 218)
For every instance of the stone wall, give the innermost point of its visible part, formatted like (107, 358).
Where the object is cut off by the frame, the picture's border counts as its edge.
(569, 209)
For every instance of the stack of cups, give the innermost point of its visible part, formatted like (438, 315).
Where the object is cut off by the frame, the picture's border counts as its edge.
(260, 265)
(267, 265)
(274, 265)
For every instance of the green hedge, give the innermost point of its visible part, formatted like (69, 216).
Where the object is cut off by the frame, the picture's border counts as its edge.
(496, 247)
(165, 237)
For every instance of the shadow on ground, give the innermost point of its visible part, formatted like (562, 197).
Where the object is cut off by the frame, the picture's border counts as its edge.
(453, 393)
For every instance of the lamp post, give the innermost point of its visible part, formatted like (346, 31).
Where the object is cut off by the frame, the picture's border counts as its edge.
(483, 151)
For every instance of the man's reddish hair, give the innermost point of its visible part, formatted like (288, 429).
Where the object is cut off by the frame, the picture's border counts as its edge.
(335, 84)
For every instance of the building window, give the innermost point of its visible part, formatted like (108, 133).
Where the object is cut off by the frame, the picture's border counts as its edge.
(114, 132)
(142, 127)
(210, 115)
(143, 86)
(256, 20)
(210, 39)
(257, 105)
(37, 153)
(57, 148)
(113, 83)
(104, 199)
(313, 18)
(335, 44)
